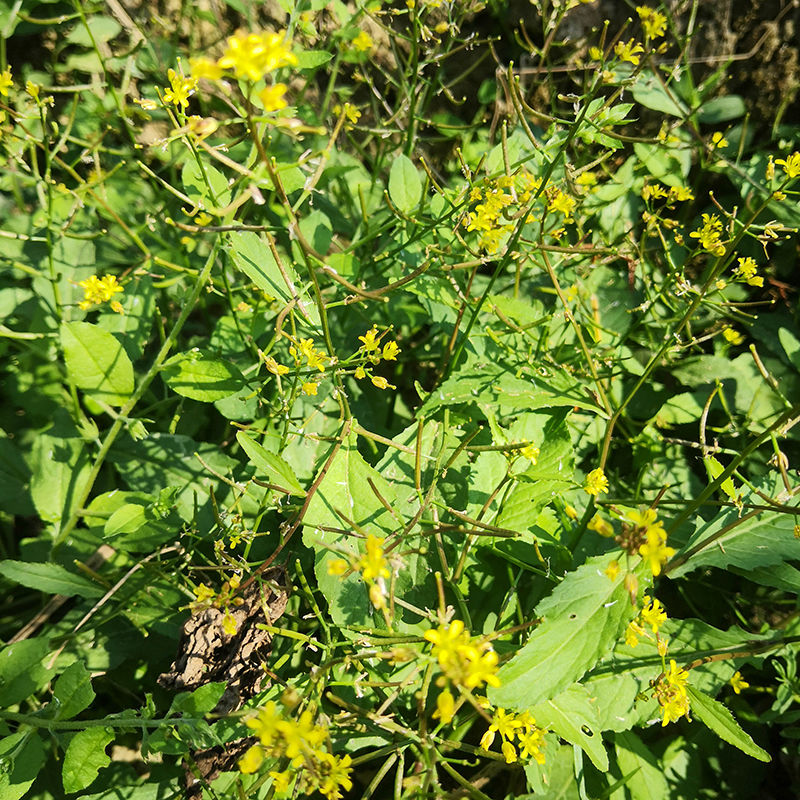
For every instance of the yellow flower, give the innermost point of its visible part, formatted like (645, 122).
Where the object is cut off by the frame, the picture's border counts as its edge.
(6, 82)
(653, 613)
(370, 340)
(98, 290)
(718, 140)
(180, 89)
(445, 706)
(253, 55)
(205, 68)
(632, 634)
(561, 202)
(738, 682)
(203, 593)
(509, 752)
(628, 51)
(229, 624)
(731, 335)
(653, 22)
(362, 42)
(274, 367)
(360, 373)
(335, 775)
(373, 564)
(447, 641)
(747, 270)
(596, 54)
(655, 550)
(349, 110)
(596, 482)
(310, 388)
(790, 164)
(531, 452)
(601, 526)
(280, 781)
(338, 566)
(390, 351)
(381, 382)
(272, 97)
(251, 760)
(709, 235)
(612, 570)
(670, 691)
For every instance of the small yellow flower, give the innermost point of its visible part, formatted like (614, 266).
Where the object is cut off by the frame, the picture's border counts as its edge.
(229, 624)
(445, 706)
(731, 335)
(310, 388)
(370, 340)
(653, 613)
(390, 351)
(653, 22)
(373, 564)
(338, 567)
(360, 373)
(601, 526)
(596, 483)
(362, 42)
(632, 634)
(205, 68)
(738, 682)
(349, 110)
(33, 90)
(596, 54)
(274, 367)
(718, 141)
(280, 781)
(628, 51)
(253, 55)
(251, 760)
(790, 164)
(272, 97)
(6, 81)
(531, 452)
(180, 89)
(612, 570)
(381, 383)
(98, 290)
(509, 752)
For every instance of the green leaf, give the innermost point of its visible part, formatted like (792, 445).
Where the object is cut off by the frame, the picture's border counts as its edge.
(206, 187)
(715, 469)
(85, 756)
(198, 702)
(664, 164)
(572, 715)
(200, 376)
(97, 363)
(721, 109)
(73, 691)
(310, 59)
(405, 185)
(22, 671)
(15, 480)
(645, 779)
(49, 578)
(718, 719)
(581, 622)
(21, 758)
(651, 94)
(270, 465)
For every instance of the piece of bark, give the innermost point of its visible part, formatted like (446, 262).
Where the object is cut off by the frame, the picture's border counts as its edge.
(204, 766)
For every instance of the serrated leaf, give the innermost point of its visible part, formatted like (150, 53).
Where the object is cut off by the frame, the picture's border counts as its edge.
(84, 757)
(573, 717)
(49, 578)
(97, 363)
(718, 719)
(200, 376)
(270, 465)
(405, 185)
(22, 671)
(581, 622)
(73, 691)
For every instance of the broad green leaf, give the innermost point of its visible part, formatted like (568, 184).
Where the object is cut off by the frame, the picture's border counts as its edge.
(74, 260)
(309, 59)
(572, 715)
(669, 166)
(97, 363)
(646, 779)
(405, 185)
(316, 228)
(198, 702)
(200, 376)
(270, 465)
(721, 109)
(581, 621)
(22, 671)
(85, 756)
(15, 478)
(252, 256)
(555, 779)
(73, 691)
(102, 28)
(651, 94)
(21, 758)
(717, 718)
(791, 346)
(49, 578)
(205, 186)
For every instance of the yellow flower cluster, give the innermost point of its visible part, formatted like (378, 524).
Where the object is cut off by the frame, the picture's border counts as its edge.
(653, 22)
(596, 483)
(709, 235)
(373, 566)
(372, 351)
(180, 89)
(466, 663)
(100, 290)
(206, 597)
(311, 768)
(672, 194)
(523, 728)
(670, 691)
(628, 51)
(650, 531)
(653, 616)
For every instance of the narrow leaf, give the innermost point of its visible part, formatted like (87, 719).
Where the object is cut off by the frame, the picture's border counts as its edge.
(270, 464)
(49, 578)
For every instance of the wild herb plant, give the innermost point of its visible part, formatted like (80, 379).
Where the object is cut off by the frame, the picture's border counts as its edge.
(424, 417)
